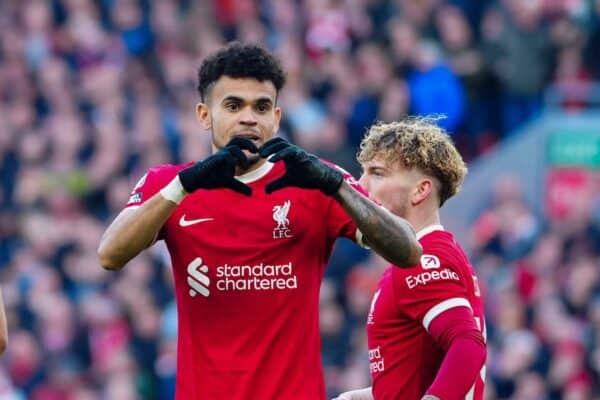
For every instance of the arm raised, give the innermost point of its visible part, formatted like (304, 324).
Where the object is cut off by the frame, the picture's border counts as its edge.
(389, 235)
(134, 229)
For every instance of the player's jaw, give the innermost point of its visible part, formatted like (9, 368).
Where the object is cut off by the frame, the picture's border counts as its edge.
(252, 157)
(256, 138)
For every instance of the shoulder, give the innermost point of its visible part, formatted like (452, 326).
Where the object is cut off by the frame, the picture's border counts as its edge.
(152, 181)
(442, 260)
(441, 246)
(157, 177)
(160, 174)
(169, 170)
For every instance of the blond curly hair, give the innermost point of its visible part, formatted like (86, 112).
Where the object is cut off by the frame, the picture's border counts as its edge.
(417, 142)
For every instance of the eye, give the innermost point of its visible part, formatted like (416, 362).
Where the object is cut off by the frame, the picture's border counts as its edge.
(232, 106)
(263, 107)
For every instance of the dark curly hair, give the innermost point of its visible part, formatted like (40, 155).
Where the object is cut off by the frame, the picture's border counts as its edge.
(240, 60)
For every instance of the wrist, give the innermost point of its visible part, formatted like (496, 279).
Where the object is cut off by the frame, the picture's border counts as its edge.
(174, 191)
(188, 177)
(342, 190)
(335, 181)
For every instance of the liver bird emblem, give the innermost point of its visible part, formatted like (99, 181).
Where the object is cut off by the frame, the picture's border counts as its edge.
(280, 214)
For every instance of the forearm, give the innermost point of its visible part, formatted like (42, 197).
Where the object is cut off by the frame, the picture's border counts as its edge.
(456, 333)
(390, 236)
(132, 231)
(459, 370)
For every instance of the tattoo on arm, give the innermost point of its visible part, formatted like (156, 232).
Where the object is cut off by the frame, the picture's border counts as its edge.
(390, 236)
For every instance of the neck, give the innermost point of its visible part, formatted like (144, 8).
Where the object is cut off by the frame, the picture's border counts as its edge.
(259, 163)
(251, 175)
(423, 217)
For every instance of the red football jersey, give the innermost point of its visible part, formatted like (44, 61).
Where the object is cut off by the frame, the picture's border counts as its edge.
(403, 358)
(247, 277)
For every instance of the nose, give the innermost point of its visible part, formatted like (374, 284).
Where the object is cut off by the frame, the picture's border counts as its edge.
(248, 117)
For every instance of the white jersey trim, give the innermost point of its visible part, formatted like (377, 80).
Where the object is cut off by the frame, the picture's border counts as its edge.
(444, 306)
(428, 229)
(359, 239)
(471, 394)
(255, 175)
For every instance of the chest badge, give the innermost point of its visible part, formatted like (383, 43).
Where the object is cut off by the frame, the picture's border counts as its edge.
(280, 215)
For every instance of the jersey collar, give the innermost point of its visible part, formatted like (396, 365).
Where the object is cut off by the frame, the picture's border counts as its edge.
(428, 229)
(255, 175)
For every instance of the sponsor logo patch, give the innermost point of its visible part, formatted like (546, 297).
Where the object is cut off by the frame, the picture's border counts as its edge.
(135, 198)
(412, 281)
(198, 279)
(429, 261)
(228, 277)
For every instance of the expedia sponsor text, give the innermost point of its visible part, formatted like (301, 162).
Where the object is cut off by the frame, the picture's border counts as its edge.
(424, 278)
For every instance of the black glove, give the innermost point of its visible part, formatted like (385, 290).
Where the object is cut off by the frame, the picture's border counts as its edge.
(218, 170)
(303, 169)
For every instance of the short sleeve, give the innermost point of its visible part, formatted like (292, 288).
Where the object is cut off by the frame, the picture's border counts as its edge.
(426, 291)
(151, 183)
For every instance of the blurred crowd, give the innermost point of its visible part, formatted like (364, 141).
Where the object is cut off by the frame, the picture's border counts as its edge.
(92, 93)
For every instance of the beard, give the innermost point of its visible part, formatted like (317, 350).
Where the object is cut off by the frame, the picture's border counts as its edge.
(252, 158)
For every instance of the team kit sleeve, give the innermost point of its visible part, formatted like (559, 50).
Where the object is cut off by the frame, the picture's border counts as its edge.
(149, 184)
(457, 334)
(339, 222)
(436, 295)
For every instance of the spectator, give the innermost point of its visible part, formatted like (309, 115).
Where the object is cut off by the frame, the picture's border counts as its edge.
(435, 88)
(520, 53)
(467, 62)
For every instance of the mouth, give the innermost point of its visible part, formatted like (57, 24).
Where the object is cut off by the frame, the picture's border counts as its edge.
(253, 137)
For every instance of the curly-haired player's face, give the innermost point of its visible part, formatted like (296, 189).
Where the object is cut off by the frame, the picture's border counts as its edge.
(396, 188)
(240, 107)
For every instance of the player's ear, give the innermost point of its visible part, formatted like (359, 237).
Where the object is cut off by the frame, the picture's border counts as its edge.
(278, 113)
(203, 115)
(423, 190)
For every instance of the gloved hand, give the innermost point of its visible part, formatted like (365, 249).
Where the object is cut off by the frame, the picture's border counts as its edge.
(218, 170)
(303, 169)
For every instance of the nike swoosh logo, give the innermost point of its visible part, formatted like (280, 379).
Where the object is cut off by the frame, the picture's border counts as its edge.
(187, 222)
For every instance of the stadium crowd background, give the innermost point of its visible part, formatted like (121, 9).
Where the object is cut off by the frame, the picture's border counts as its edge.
(94, 92)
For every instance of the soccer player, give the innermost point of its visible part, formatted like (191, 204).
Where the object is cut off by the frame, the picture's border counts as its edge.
(425, 329)
(249, 230)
